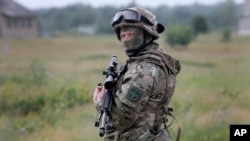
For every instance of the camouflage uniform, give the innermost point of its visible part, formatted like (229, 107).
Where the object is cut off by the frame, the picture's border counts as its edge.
(143, 93)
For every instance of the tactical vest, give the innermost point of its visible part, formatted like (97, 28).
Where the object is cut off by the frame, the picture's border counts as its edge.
(171, 68)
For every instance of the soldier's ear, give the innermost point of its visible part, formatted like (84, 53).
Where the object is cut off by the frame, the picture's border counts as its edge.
(160, 28)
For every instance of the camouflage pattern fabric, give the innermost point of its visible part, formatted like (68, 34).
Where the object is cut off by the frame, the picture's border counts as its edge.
(152, 30)
(143, 93)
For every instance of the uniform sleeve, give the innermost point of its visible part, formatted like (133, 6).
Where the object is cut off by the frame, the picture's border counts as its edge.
(139, 83)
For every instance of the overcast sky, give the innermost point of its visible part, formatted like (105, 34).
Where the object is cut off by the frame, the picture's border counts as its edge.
(36, 4)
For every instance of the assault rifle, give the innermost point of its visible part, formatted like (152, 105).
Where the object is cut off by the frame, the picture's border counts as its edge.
(109, 85)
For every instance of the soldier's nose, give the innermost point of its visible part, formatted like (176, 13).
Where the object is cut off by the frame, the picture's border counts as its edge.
(126, 35)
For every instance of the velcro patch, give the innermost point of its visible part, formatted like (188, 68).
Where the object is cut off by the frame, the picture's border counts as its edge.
(134, 94)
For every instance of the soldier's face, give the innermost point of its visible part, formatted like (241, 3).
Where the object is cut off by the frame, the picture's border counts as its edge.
(127, 34)
(131, 37)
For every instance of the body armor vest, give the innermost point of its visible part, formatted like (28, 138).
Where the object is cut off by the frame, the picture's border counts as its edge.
(157, 104)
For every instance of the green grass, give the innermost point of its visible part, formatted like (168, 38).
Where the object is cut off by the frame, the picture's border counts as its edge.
(55, 103)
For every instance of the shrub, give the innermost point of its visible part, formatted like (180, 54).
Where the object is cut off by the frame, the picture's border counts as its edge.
(179, 35)
(27, 105)
(226, 35)
(46, 103)
(199, 24)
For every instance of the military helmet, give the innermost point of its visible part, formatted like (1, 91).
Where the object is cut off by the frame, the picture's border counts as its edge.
(139, 17)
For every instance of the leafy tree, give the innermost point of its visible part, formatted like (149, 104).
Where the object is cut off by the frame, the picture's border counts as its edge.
(199, 24)
(225, 15)
(104, 17)
(181, 14)
(179, 35)
(69, 18)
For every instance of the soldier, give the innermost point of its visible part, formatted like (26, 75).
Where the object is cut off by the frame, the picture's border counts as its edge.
(145, 87)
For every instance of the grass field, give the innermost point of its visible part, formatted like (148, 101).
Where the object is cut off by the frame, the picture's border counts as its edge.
(212, 90)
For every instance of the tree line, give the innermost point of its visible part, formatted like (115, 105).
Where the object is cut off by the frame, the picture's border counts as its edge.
(68, 19)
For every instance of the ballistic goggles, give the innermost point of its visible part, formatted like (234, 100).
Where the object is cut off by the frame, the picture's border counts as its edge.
(129, 16)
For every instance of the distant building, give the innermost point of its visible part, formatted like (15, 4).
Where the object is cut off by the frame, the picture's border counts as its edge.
(88, 30)
(244, 24)
(16, 21)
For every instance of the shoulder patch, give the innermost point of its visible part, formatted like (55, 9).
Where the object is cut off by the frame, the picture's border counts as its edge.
(134, 94)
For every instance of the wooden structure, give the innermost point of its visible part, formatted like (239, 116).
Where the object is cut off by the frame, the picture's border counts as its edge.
(244, 24)
(16, 21)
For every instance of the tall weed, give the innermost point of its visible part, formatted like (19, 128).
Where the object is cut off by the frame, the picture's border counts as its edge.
(39, 98)
(39, 72)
